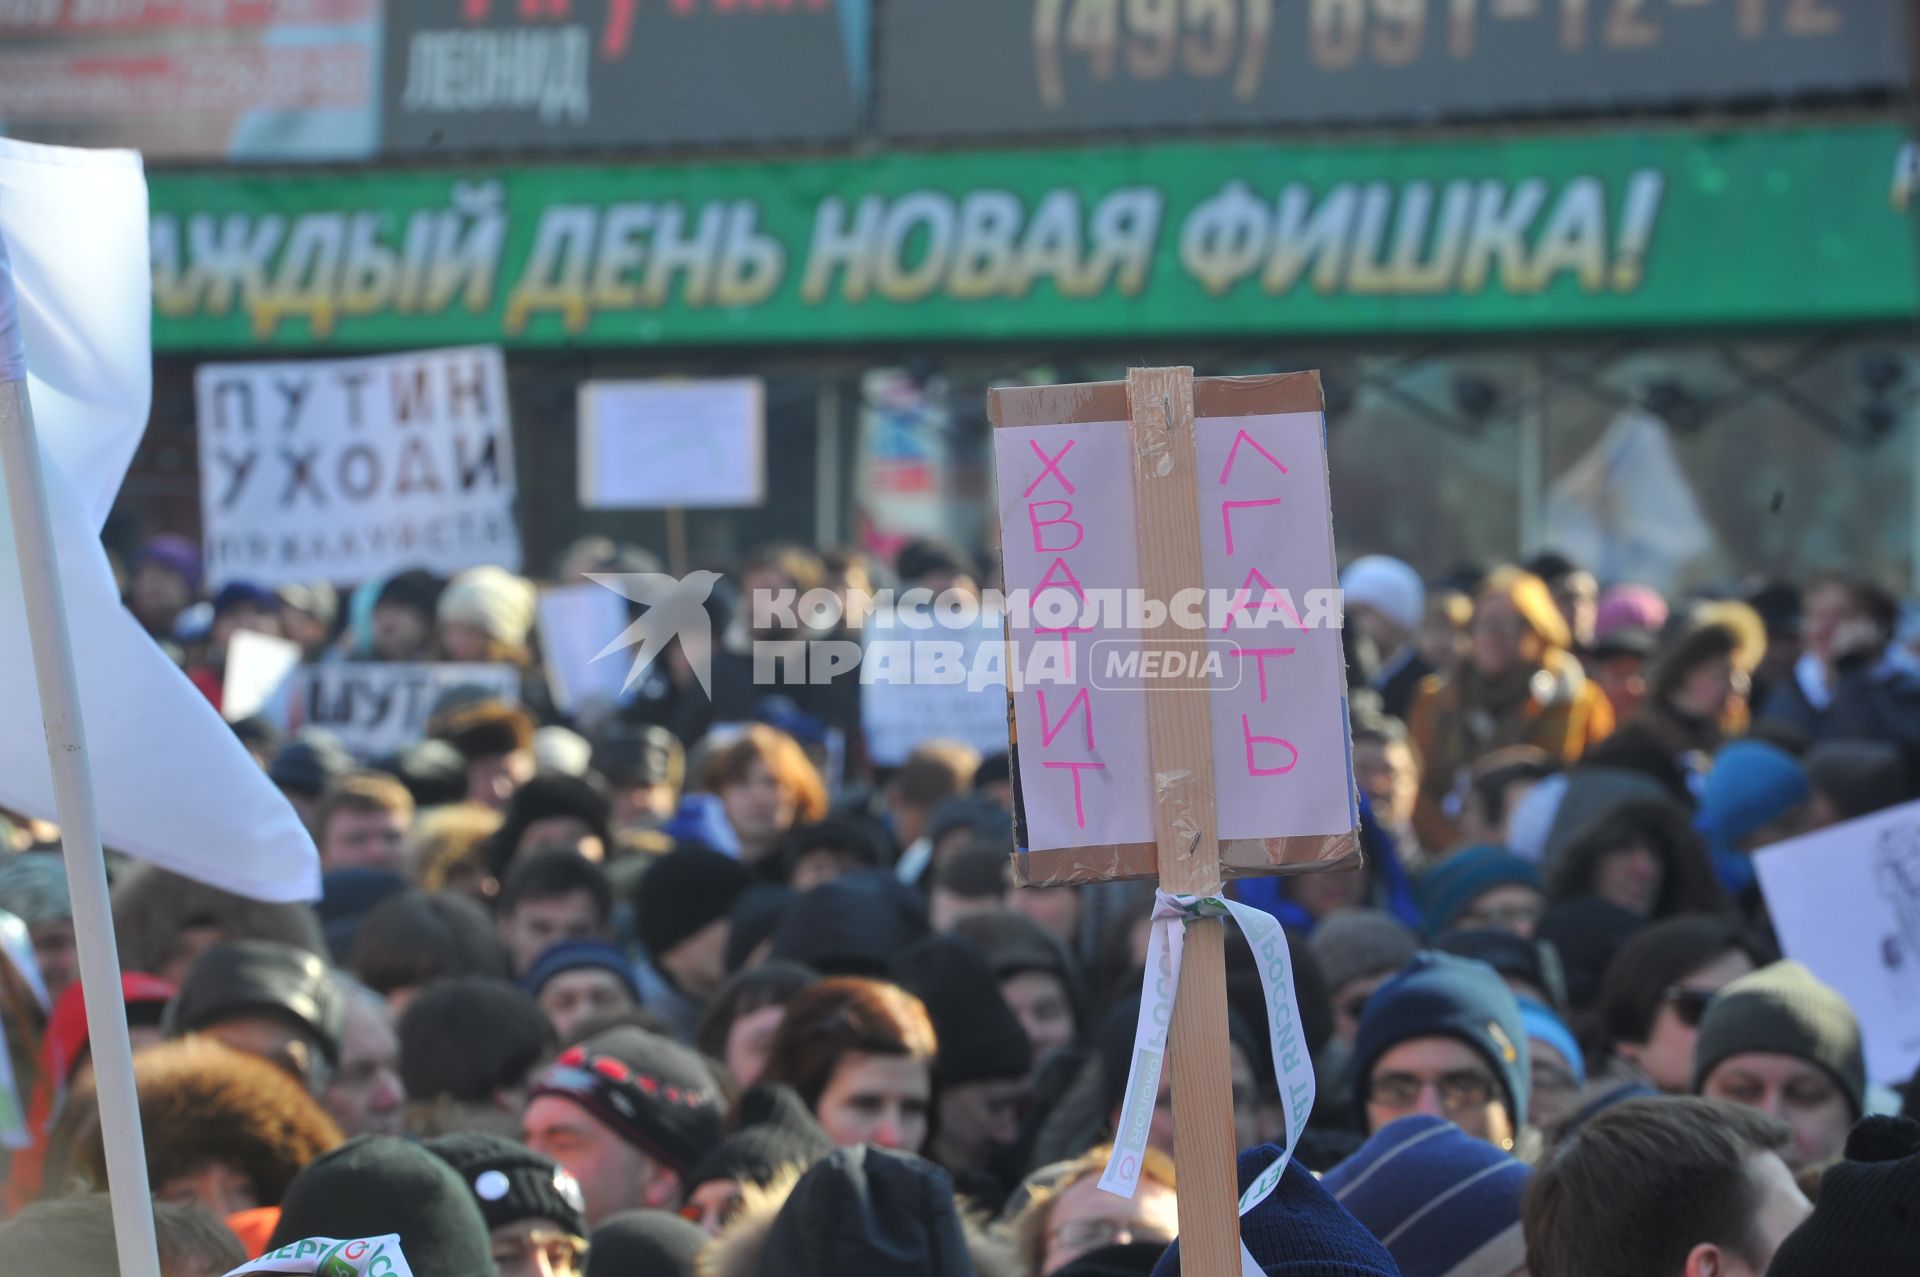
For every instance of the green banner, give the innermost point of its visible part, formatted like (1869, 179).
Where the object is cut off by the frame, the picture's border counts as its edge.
(1595, 231)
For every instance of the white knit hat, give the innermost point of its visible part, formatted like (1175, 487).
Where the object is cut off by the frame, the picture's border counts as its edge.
(491, 599)
(1388, 586)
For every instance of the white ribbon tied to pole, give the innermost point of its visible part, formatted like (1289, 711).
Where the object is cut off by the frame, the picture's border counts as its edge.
(1292, 1065)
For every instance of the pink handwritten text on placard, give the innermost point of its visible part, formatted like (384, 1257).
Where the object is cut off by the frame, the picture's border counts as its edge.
(1280, 761)
(1067, 520)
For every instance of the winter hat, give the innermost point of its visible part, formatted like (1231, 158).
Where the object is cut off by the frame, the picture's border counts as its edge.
(1299, 1230)
(701, 820)
(773, 1131)
(236, 594)
(1442, 996)
(1443, 1203)
(980, 1037)
(1532, 962)
(1782, 1009)
(512, 1183)
(433, 771)
(310, 762)
(755, 916)
(347, 896)
(1586, 933)
(1752, 784)
(650, 1091)
(1361, 942)
(415, 588)
(854, 925)
(261, 977)
(871, 1211)
(1864, 1224)
(979, 816)
(175, 553)
(575, 955)
(1858, 777)
(1451, 886)
(651, 1242)
(33, 887)
(684, 891)
(562, 750)
(1123, 1259)
(378, 1184)
(318, 599)
(546, 796)
(1388, 586)
(1543, 1026)
(1629, 607)
(492, 600)
(478, 723)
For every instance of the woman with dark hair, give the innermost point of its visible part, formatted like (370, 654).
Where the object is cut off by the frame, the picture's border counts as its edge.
(767, 785)
(1657, 989)
(860, 1054)
(1622, 838)
(740, 1022)
(413, 939)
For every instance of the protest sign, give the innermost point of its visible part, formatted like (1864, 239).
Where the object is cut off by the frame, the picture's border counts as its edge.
(900, 713)
(1867, 872)
(255, 678)
(345, 469)
(576, 624)
(663, 444)
(377, 708)
(1178, 683)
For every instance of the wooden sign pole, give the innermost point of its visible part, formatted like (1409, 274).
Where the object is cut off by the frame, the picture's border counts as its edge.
(1166, 497)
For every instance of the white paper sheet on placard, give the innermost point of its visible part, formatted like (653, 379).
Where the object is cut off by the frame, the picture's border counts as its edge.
(258, 670)
(576, 624)
(649, 445)
(1846, 902)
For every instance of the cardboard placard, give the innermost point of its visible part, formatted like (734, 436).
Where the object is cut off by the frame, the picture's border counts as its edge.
(897, 714)
(378, 707)
(1845, 901)
(576, 624)
(672, 444)
(339, 470)
(1257, 642)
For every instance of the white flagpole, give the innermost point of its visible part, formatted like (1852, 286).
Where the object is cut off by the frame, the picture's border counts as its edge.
(112, 1050)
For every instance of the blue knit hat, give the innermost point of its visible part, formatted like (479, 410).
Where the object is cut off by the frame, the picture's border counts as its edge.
(576, 955)
(1462, 878)
(1443, 1203)
(1752, 784)
(1544, 1026)
(1298, 1231)
(702, 819)
(1438, 995)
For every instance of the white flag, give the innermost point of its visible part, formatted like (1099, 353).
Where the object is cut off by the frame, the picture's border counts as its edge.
(171, 782)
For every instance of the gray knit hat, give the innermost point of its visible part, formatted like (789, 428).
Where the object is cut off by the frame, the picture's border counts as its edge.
(1361, 942)
(1783, 1010)
(33, 887)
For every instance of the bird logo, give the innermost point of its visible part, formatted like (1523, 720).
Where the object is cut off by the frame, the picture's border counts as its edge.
(675, 607)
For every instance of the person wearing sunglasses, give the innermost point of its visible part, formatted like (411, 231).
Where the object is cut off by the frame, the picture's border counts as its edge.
(1657, 989)
(536, 1216)
(1444, 1037)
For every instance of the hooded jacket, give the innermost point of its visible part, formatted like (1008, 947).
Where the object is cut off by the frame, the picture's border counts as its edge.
(1603, 807)
(869, 1211)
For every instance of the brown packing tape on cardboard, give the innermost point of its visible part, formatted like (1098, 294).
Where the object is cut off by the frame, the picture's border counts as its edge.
(1107, 401)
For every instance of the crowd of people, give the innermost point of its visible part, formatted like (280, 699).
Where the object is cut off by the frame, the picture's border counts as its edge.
(685, 984)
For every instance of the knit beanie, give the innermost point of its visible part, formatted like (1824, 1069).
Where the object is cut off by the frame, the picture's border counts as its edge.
(684, 891)
(378, 1184)
(1859, 777)
(176, 553)
(512, 1183)
(1388, 586)
(755, 916)
(1532, 962)
(869, 1211)
(980, 1037)
(1354, 943)
(653, 1242)
(577, 955)
(1751, 785)
(855, 925)
(701, 821)
(490, 599)
(1443, 1203)
(1586, 934)
(33, 887)
(1783, 1009)
(1299, 1230)
(1442, 996)
(310, 762)
(1543, 1026)
(1451, 887)
(1864, 1224)
(650, 1091)
(1122, 1259)
(1629, 607)
(773, 1131)
(415, 588)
